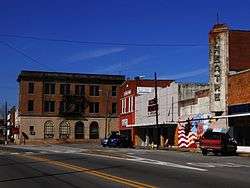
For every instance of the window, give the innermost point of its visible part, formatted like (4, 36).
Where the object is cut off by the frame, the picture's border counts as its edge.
(113, 90)
(49, 106)
(49, 129)
(79, 130)
(79, 90)
(132, 103)
(63, 106)
(94, 107)
(30, 105)
(114, 108)
(129, 104)
(32, 130)
(64, 130)
(123, 105)
(94, 130)
(94, 91)
(49, 88)
(31, 88)
(79, 107)
(65, 89)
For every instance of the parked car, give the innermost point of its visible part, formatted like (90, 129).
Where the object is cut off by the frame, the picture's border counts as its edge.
(116, 140)
(217, 142)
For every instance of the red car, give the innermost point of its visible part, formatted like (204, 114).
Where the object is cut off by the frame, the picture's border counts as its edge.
(217, 142)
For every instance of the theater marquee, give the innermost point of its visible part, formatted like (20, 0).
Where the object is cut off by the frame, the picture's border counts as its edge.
(218, 55)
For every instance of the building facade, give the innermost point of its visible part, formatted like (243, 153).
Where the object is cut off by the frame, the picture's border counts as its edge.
(229, 54)
(128, 91)
(67, 106)
(239, 103)
(177, 102)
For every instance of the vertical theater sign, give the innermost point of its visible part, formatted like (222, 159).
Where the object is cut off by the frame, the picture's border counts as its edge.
(218, 57)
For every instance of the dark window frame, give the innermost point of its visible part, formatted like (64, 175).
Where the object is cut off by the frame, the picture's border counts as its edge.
(49, 88)
(114, 108)
(30, 105)
(114, 91)
(49, 106)
(65, 89)
(31, 87)
(94, 90)
(80, 90)
(94, 107)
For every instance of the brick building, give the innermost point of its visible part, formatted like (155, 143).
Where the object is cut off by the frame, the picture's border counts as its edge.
(229, 54)
(128, 90)
(239, 103)
(57, 106)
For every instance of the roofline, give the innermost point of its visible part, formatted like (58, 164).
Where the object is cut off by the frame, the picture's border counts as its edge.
(239, 30)
(161, 80)
(68, 73)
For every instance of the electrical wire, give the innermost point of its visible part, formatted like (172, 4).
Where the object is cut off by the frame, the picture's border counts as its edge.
(105, 43)
(25, 55)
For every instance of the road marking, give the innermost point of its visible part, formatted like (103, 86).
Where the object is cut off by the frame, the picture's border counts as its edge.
(103, 175)
(148, 161)
(213, 165)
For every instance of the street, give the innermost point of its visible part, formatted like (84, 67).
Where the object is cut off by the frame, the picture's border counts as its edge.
(80, 166)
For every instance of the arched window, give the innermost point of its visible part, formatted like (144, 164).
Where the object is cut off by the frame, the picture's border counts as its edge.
(48, 129)
(94, 130)
(64, 130)
(79, 130)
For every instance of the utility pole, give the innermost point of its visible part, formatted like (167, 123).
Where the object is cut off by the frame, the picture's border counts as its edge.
(6, 122)
(106, 114)
(156, 116)
(172, 109)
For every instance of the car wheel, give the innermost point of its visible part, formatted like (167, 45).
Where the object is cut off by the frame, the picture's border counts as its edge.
(204, 152)
(215, 153)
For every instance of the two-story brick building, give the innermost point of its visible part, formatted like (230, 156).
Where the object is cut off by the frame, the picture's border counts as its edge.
(127, 93)
(57, 106)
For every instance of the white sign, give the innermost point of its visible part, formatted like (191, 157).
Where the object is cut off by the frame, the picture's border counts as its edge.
(126, 93)
(143, 90)
(124, 122)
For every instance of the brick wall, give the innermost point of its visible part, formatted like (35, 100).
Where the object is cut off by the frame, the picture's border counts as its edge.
(239, 88)
(239, 50)
(38, 97)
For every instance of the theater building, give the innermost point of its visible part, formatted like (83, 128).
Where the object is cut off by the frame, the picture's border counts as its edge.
(55, 107)
(229, 58)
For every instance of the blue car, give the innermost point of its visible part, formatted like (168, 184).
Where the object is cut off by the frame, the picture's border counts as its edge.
(116, 140)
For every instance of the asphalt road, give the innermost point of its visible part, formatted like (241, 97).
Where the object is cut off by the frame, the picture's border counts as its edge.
(61, 166)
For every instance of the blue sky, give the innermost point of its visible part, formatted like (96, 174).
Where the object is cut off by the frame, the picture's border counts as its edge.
(112, 21)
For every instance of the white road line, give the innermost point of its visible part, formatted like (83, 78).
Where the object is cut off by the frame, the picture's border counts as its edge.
(148, 161)
(213, 165)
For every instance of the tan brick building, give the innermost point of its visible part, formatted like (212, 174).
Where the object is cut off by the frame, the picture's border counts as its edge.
(67, 106)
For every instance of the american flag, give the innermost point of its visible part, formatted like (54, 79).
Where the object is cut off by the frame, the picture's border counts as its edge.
(186, 141)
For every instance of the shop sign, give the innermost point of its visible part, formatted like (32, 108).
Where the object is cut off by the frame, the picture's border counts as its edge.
(217, 69)
(144, 90)
(126, 93)
(152, 107)
(124, 122)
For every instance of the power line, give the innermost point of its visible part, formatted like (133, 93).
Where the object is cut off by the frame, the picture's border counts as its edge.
(25, 55)
(105, 43)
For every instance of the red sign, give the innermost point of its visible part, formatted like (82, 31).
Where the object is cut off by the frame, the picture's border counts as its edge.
(15, 130)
